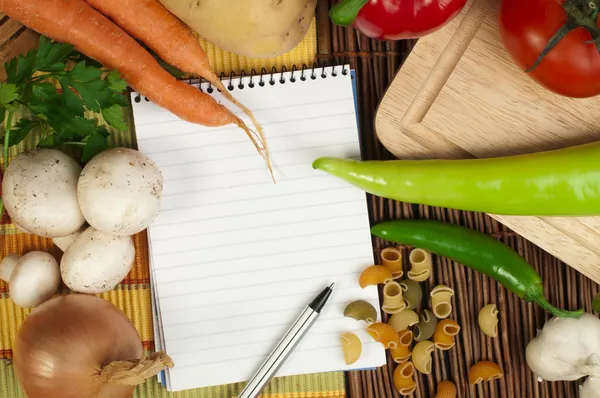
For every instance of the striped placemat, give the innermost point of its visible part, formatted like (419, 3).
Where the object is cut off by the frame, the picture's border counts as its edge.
(132, 295)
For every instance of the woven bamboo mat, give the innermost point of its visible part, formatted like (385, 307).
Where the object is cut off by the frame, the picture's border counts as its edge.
(376, 64)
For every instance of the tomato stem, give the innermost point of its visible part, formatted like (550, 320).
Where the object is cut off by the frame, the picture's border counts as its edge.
(580, 14)
(345, 12)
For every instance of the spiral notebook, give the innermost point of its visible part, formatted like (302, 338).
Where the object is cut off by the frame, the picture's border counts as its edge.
(235, 257)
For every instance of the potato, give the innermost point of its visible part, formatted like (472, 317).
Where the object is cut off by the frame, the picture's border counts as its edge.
(253, 28)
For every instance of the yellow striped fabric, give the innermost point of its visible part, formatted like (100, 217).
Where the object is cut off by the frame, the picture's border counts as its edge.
(133, 294)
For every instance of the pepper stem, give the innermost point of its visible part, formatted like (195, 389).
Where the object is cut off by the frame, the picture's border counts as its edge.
(345, 12)
(580, 14)
(545, 305)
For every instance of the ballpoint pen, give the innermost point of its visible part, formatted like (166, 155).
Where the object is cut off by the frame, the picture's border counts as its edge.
(286, 345)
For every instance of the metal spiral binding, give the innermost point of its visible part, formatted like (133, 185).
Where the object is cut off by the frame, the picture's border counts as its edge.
(264, 74)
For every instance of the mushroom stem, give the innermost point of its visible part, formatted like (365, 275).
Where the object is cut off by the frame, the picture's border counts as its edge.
(65, 241)
(7, 265)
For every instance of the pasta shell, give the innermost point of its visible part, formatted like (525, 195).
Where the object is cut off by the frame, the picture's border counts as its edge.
(426, 326)
(393, 302)
(403, 352)
(488, 320)
(421, 265)
(443, 338)
(392, 259)
(421, 356)
(385, 334)
(403, 378)
(484, 371)
(441, 301)
(412, 293)
(361, 311)
(351, 346)
(403, 320)
(375, 275)
(446, 389)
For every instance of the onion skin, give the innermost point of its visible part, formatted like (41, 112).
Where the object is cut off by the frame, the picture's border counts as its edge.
(64, 343)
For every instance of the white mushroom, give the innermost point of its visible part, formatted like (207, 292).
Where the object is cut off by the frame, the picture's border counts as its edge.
(19, 228)
(96, 262)
(40, 193)
(32, 279)
(119, 191)
(64, 242)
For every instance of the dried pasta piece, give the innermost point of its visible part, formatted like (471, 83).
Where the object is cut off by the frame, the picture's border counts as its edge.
(403, 352)
(443, 338)
(421, 265)
(412, 292)
(488, 320)
(404, 378)
(441, 303)
(484, 371)
(403, 320)
(426, 326)
(351, 346)
(375, 275)
(385, 334)
(393, 302)
(446, 389)
(392, 259)
(421, 356)
(361, 311)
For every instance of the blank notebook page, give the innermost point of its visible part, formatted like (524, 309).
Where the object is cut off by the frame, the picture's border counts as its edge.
(236, 257)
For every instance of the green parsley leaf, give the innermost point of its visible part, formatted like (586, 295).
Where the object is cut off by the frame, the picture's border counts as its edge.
(83, 73)
(25, 67)
(71, 101)
(20, 131)
(93, 93)
(94, 145)
(49, 54)
(43, 92)
(73, 128)
(8, 93)
(115, 83)
(114, 117)
(49, 141)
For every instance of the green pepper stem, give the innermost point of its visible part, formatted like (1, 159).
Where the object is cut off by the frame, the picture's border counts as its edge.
(541, 301)
(345, 12)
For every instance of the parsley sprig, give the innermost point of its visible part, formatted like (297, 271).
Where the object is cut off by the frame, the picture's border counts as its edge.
(56, 91)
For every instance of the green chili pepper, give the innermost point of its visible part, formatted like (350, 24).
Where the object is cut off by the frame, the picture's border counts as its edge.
(475, 250)
(563, 182)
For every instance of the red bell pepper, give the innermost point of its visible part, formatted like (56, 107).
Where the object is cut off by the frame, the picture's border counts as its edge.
(395, 19)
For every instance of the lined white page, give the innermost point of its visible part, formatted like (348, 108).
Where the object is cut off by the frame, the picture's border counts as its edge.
(236, 257)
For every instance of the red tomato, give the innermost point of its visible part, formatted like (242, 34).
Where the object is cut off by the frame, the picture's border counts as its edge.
(572, 68)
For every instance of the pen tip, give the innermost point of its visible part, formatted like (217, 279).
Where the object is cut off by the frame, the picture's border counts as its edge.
(331, 286)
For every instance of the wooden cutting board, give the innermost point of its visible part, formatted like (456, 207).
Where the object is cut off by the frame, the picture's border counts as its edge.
(459, 95)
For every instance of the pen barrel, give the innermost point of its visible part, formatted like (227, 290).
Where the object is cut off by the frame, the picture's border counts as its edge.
(279, 354)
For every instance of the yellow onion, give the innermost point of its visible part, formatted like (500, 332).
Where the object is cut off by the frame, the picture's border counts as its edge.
(80, 346)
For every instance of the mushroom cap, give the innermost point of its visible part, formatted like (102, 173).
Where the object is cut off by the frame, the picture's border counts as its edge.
(40, 193)
(119, 191)
(96, 262)
(34, 280)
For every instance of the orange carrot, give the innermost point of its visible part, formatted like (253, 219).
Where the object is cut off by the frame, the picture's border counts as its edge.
(172, 40)
(91, 33)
